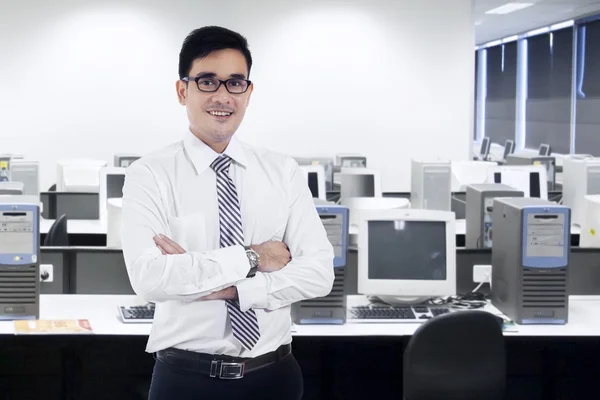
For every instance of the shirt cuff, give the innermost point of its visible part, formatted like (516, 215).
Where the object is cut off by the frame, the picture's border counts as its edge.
(252, 292)
(233, 261)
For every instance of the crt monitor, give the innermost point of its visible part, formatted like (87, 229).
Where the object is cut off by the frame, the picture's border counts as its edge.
(335, 221)
(545, 150)
(509, 148)
(466, 173)
(407, 255)
(315, 178)
(79, 175)
(326, 163)
(111, 187)
(532, 180)
(590, 222)
(485, 148)
(359, 182)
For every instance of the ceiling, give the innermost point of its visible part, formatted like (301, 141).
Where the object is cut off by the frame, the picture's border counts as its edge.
(543, 13)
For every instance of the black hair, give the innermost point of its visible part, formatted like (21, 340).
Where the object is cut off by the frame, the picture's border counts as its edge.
(203, 41)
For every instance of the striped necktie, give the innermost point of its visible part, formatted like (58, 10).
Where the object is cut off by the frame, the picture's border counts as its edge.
(243, 324)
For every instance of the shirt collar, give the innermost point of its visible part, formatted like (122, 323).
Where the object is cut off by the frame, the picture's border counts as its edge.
(202, 155)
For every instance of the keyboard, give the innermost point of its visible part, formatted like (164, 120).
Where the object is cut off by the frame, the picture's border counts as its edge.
(395, 314)
(137, 314)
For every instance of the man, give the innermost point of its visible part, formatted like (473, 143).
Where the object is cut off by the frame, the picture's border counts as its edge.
(223, 237)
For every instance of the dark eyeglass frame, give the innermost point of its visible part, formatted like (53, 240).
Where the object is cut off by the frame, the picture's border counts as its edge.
(198, 78)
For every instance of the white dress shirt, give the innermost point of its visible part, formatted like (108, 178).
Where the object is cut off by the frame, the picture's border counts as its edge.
(173, 192)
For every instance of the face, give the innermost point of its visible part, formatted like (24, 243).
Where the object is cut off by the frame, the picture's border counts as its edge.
(215, 116)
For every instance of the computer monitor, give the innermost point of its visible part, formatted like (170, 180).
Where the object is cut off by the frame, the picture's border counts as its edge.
(114, 208)
(358, 159)
(407, 255)
(545, 150)
(326, 163)
(358, 205)
(353, 162)
(581, 177)
(11, 188)
(26, 172)
(509, 148)
(124, 160)
(466, 173)
(315, 177)
(359, 182)
(335, 220)
(484, 151)
(79, 175)
(532, 180)
(111, 187)
(590, 223)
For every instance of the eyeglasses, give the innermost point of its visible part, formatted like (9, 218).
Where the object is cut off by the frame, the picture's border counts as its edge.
(233, 86)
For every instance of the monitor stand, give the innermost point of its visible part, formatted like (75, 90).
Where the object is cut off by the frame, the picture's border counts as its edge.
(398, 300)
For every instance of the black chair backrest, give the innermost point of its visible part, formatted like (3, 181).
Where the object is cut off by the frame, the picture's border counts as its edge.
(58, 235)
(459, 355)
(52, 188)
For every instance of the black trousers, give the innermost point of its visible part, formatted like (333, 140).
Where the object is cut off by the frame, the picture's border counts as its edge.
(279, 381)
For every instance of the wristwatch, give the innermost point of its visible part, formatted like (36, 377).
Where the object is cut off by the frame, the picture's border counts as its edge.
(254, 259)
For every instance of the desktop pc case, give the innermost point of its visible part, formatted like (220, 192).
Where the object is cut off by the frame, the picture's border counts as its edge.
(19, 258)
(533, 159)
(530, 260)
(330, 309)
(479, 208)
(431, 185)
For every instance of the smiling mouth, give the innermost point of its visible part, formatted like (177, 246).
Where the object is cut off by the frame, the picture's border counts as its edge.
(220, 113)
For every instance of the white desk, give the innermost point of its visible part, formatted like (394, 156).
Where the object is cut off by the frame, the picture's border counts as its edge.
(101, 311)
(76, 226)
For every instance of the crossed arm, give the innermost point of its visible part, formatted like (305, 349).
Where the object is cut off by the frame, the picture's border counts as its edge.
(160, 270)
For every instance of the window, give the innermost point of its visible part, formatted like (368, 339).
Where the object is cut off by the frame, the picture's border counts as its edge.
(549, 82)
(587, 122)
(477, 77)
(501, 88)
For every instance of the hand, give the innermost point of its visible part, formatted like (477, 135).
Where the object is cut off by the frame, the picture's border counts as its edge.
(273, 256)
(167, 246)
(229, 293)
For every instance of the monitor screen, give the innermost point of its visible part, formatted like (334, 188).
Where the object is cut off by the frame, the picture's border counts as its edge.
(114, 186)
(359, 186)
(407, 250)
(508, 148)
(544, 150)
(313, 184)
(484, 146)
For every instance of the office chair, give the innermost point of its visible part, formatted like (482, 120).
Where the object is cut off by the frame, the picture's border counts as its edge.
(52, 188)
(456, 356)
(57, 235)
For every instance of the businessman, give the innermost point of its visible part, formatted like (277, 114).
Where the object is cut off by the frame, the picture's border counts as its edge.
(223, 237)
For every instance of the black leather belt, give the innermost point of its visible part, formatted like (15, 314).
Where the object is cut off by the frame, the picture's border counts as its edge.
(220, 366)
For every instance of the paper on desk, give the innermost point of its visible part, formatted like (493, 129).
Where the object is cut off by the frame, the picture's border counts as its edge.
(49, 327)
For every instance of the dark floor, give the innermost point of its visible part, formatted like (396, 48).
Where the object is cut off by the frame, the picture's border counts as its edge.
(108, 367)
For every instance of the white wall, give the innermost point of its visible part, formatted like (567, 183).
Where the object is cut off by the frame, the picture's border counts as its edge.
(391, 79)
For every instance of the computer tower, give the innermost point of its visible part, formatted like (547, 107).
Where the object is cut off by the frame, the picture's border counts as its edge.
(581, 177)
(19, 258)
(479, 208)
(534, 159)
(430, 185)
(530, 260)
(330, 309)
(26, 172)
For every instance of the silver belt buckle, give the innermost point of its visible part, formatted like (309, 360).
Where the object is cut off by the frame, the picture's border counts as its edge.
(227, 370)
